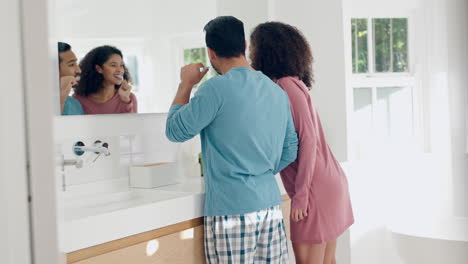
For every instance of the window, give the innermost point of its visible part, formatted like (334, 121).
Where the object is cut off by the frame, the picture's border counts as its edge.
(382, 82)
(132, 63)
(189, 48)
(380, 45)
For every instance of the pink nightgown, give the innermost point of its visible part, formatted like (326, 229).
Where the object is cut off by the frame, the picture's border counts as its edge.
(315, 181)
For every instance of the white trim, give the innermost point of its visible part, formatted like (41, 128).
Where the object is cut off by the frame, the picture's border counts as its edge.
(466, 122)
(15, 247)
(375, 80)
(384, 81)
(40, 67)
(370, 46)
(379, 10)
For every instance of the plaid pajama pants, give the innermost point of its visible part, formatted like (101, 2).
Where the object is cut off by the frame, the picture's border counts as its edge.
(257, 237)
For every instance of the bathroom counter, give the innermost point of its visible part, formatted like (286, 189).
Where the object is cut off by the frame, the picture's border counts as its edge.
(105, 218)
(98, 220)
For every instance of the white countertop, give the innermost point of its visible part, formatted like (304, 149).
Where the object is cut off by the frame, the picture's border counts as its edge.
(99, 219)
(104, 218)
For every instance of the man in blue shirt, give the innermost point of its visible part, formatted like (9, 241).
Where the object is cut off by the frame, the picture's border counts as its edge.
(69, 71)
(247, 136)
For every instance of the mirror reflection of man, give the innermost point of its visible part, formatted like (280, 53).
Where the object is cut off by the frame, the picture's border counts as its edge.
(69, 72)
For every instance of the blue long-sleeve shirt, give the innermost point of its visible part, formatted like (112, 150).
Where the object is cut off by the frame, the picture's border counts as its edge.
(72, 107)
(247, 135)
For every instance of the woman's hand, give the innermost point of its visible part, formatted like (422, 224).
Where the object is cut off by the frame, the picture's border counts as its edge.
(298, 214)
(124, 92)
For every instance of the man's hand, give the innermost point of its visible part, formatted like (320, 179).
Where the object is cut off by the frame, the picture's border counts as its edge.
(66, 84)
(124, 92)
(298, 214)
(190, 74)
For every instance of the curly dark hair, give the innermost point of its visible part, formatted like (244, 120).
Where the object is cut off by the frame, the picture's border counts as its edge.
(280, 50)
(91, 80)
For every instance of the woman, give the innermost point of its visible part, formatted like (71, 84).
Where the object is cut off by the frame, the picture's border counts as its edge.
(320, 208)
(103, 87)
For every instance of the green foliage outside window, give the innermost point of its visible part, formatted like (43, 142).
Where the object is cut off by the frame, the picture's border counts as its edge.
(359, 40)
(390, 43)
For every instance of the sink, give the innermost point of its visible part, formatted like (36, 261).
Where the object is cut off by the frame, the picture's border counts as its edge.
(188, 186)
(103, 199)
(105, 203)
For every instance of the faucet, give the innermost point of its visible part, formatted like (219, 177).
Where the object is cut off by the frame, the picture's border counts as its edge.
(98, 147)
(78, 163)
(79, 149)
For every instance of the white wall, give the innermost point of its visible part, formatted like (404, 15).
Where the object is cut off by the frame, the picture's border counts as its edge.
(39, 68)
(457, 83)
(251, 13)
(322, 24)
(14, 218)
(28, 229)
(133, 139)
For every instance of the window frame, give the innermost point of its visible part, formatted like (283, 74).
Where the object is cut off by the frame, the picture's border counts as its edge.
(375, 80)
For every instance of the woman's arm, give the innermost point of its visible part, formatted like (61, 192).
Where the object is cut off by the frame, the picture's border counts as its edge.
(308, 141)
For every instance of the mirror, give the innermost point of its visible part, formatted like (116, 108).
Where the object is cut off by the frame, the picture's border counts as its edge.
(155, 37)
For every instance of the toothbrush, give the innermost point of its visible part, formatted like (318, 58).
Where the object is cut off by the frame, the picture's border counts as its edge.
(77, 78)
(204, 68)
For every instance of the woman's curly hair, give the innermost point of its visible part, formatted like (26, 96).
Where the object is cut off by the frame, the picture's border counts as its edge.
(91, 80)
(281, 50)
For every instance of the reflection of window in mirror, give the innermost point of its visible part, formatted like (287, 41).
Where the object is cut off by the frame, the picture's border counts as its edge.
(189, 48)
(132, 63)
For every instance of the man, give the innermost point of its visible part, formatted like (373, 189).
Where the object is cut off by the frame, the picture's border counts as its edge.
(69, 72)
(247, 136)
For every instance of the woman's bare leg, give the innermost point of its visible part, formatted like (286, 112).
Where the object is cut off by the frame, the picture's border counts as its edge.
(330, 252)
(309, 253)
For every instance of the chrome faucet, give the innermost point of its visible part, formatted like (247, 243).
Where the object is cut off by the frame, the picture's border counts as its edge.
(98, 147)
(79, 149)
(78, 163)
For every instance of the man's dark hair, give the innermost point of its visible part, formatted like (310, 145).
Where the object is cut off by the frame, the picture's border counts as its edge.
(225, 36)
(63, 47)
(281, 50)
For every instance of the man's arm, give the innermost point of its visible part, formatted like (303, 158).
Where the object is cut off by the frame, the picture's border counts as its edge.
(187, 117)
(290, 145)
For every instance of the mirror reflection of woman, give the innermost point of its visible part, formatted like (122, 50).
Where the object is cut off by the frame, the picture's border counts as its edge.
(104, 85)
